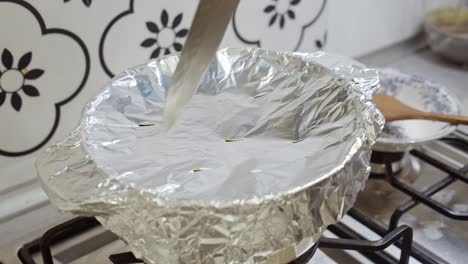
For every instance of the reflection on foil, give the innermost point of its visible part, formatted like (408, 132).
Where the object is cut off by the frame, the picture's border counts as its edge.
(241, 178)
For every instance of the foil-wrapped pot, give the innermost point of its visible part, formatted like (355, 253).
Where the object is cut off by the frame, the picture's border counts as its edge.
(272, 149)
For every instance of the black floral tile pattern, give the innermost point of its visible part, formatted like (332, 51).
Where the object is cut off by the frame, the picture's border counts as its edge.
(158, 28)
(32, 89)
(320, 43)
(281, 24)
(165, 36)
(13, 79)
(280, 13)
(85, 2)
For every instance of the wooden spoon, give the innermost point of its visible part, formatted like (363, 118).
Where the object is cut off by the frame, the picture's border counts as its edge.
(394, 110)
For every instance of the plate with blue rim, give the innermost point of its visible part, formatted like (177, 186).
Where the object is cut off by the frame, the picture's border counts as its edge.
(419, 93)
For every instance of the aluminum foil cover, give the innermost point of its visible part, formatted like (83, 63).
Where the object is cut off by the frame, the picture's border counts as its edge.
(272, 149)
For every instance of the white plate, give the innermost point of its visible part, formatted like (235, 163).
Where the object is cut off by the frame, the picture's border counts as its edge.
(421, 94)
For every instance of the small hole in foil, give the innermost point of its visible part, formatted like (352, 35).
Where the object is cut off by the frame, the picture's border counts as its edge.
(199, 169)
(260, 95)
(146, 124)
(233, 139)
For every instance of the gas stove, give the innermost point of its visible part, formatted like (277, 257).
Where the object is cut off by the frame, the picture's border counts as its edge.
(393, 221)
(99, 246)
(413, 208)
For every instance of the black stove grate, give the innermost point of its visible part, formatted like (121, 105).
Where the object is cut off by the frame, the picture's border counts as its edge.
(401, 236)
(458, 140)
(66, 230)
(348, 239)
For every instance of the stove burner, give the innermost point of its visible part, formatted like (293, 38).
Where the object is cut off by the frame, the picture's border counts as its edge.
(379, 159)
(128, 257)
(405, 166)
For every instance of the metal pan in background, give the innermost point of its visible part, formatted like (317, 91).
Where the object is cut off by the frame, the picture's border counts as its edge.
(447, 33)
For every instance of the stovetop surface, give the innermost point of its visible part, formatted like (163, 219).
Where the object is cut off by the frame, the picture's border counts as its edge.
(445, 238)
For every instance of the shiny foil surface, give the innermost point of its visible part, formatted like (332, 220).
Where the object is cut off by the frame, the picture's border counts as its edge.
(272, 149)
